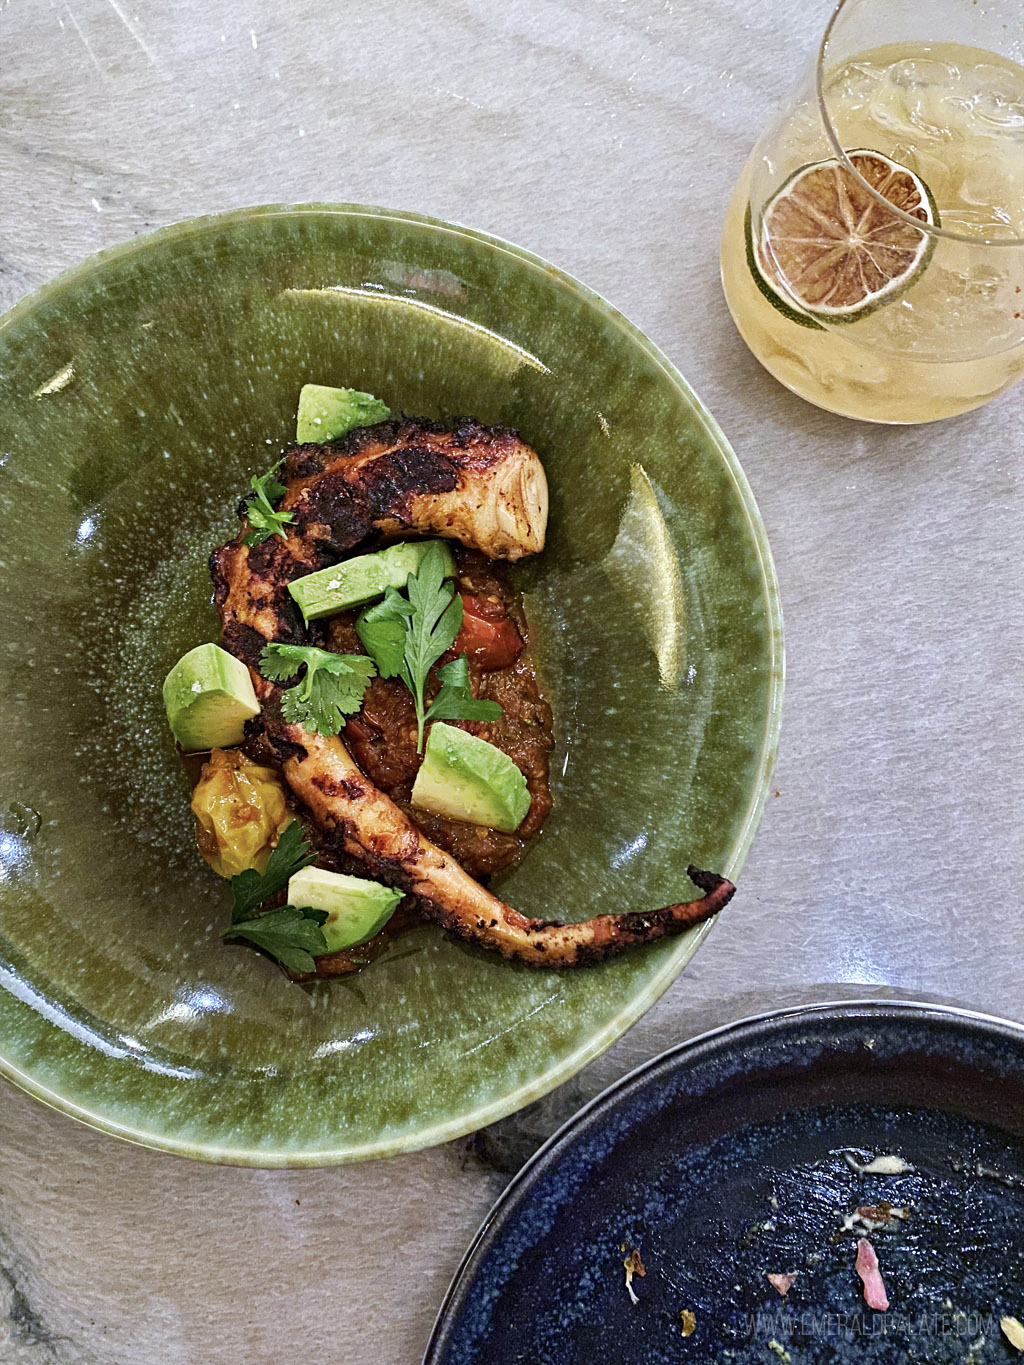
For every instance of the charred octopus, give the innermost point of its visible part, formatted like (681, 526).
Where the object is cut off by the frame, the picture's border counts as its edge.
(484, 489)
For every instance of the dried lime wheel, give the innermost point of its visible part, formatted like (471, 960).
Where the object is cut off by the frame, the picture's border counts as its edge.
(828, 250)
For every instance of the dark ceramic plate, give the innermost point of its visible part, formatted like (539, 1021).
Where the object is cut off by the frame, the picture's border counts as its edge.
(734, 1157)
(137, 396)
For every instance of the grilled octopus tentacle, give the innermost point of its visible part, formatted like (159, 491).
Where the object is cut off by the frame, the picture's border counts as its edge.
(485, 488)
(326, 779)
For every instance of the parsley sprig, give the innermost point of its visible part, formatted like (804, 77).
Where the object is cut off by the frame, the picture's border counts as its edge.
(406, 638)
(264, 519)
(332, 688)
(455, 701)
(382, 631)
(291, 935)
(251, 888)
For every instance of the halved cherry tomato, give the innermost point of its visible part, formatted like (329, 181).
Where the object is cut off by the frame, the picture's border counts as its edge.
(488, 636)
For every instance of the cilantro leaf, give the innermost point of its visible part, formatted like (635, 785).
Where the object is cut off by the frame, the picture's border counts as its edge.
(280, 662)
(455, 701)
(431, 629)
(290, 935)
(382, 630)
(251, 888)
(263, 518)
(332, 688)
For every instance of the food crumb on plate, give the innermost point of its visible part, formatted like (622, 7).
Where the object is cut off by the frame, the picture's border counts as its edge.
(878, 1165)
(633, 1265)
(871, 1217)
(57, 382)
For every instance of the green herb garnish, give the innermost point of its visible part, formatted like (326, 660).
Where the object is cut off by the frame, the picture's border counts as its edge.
(291, 936)
(263, 518)
(251, 888)
(430, 629)
(455, 701)
(408, 638)
(382, 631)
(332, 688)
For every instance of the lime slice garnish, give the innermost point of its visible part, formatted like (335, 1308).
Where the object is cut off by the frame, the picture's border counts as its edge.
(764, 278)
(828, 251)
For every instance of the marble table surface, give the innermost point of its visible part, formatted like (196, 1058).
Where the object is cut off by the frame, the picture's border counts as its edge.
(604, 135)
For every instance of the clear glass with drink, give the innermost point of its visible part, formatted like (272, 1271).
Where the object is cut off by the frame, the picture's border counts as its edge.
(873, 250)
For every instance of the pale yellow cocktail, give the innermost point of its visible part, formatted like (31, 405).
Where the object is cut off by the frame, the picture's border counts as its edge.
(892, 315)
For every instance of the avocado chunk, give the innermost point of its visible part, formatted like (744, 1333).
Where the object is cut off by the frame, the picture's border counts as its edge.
(356, 909)
(359, 580)
(325, 413)
(465, 778)
(209, 697)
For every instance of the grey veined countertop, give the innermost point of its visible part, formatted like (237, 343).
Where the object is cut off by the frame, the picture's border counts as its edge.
(605, 136)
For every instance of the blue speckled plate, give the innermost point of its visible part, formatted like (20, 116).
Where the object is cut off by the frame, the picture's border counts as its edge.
(736, 1156)
(138, 394)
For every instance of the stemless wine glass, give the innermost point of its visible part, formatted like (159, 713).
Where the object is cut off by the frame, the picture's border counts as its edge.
(873, 250)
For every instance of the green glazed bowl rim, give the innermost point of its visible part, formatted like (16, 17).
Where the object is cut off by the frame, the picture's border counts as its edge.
(675, 961)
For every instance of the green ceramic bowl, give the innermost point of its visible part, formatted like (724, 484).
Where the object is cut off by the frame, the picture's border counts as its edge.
(137, 395)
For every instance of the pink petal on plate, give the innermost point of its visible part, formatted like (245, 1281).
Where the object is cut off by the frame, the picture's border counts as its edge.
(867, 1268)
(783, 1283)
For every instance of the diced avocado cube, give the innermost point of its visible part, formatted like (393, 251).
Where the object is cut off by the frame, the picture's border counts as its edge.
(325, 413)
(209, 697)
(356, 909)
(465, 778)
(359, 580)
